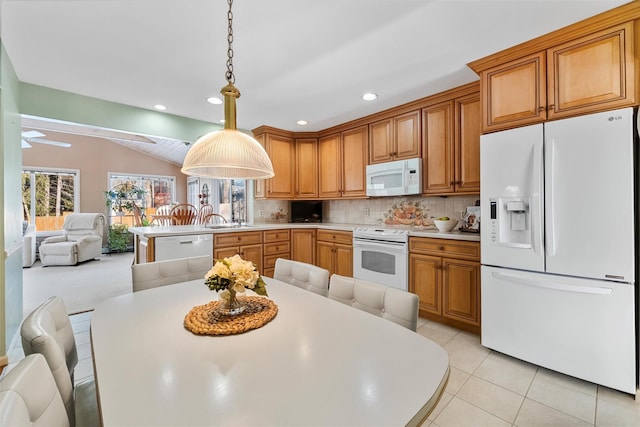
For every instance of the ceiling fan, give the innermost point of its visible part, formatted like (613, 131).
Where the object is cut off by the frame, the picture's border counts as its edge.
(33, 136)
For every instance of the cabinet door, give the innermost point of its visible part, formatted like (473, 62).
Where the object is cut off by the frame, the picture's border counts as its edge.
(259, 184)
(467, 147)
(306, 168)
(324, 256)
(592, 73)
(303, 246)
(343, 260)
(252, 253)
(281, 150)
(461, 290)
(438, 131)
(425, 275)
(329, 167)
(355, 144)
(220, 253)
(407, 138)
(514, 94)
(381, 142)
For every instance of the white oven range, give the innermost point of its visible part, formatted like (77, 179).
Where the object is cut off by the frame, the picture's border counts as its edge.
(381, 255)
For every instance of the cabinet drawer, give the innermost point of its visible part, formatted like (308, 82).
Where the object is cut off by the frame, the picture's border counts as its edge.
(276, 236)
(270, 261)
(443, 247)
(277, 248)
(344, 237)
(231, 239)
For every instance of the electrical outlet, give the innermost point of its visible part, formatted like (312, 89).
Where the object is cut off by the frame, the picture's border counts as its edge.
(366, 212)
(260, 213)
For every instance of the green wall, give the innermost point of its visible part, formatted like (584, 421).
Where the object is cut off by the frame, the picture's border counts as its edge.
(10, 183)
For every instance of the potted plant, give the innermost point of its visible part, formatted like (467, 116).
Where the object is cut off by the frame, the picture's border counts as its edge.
(121, 199)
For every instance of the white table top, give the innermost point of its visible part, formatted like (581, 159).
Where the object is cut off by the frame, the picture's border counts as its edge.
(318, 362)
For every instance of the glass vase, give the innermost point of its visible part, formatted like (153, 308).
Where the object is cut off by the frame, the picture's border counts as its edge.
(233, 306)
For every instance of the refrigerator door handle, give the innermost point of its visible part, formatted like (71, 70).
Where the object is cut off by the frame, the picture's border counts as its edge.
(537, 234)
(551, 237)
(554, 286)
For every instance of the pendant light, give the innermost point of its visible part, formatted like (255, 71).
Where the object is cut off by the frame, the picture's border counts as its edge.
(228, 153)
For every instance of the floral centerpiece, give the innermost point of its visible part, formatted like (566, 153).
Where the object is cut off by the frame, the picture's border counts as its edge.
(232, 276)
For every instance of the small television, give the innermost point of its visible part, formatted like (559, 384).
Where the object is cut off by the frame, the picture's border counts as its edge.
(306, 211)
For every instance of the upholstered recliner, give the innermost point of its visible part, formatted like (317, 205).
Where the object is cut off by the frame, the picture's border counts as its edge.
(29, 240)
(82, 239)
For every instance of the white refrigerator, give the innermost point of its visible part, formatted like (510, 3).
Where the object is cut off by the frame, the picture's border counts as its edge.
(558, 246)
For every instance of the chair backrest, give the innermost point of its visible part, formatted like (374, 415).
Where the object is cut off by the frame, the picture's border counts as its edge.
(160, 273)
(29, 396)
(47, 330)
(162, 216)
(77, 225)
(137, 216)
(393, 304)
(184, 214)
(204, 210)
(302, 275)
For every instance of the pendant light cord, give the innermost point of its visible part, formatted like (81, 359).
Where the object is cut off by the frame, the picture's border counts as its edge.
(231, 79)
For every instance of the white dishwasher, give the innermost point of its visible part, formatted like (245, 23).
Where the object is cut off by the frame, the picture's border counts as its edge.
(172, 247)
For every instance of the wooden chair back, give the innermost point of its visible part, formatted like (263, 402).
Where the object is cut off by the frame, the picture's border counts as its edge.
(204, 210)
(214, 218)
(184, 214)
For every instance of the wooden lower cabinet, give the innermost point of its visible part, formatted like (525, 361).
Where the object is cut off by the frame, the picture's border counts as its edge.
(247, 244)
(445, 274)
(303, 245)
(276, 244)
(335, 252)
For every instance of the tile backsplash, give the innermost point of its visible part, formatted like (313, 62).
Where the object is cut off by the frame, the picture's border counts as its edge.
(369, 211)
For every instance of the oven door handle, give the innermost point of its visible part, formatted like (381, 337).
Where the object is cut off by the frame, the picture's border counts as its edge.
(363, 243)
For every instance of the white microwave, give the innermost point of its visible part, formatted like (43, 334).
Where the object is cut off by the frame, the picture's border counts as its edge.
(398, 178)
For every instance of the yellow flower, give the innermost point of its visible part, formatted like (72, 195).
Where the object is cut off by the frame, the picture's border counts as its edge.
(220, 270)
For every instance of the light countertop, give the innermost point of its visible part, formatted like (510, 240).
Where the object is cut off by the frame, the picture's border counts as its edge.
(182, 230)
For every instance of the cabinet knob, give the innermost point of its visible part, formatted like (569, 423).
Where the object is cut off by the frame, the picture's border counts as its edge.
(441, 248)
(551, 106)
(541, 109)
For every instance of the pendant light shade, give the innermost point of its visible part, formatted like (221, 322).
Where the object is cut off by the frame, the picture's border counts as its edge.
(228, 153)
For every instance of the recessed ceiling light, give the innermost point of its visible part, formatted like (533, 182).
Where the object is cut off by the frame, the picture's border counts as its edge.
(369, 96)
(160, 107)
(302, 122)
(213, 100)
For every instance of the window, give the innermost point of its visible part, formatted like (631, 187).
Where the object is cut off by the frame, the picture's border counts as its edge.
(48, 195)
(159, 190)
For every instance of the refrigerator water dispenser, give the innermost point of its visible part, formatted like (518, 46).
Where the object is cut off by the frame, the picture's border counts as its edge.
(510, 222)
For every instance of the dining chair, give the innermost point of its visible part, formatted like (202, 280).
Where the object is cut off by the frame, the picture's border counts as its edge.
(161, 273)
(29, 396)
(47, 330)
(389, 303)
(162, 216)
(203, 212)
(184, 214)
(302, 275)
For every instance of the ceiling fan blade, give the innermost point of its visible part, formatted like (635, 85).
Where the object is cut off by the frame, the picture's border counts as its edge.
(25, 144)
(32, 134)
(48, 142)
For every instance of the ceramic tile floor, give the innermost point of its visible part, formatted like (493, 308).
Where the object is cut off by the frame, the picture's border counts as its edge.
(485, 388)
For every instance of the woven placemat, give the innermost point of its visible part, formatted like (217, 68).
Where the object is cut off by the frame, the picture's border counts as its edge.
(205, 320)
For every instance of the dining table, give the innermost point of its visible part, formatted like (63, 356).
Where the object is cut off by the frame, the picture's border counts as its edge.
(318, 362)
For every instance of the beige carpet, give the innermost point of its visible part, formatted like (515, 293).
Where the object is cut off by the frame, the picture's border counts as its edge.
(81, 287)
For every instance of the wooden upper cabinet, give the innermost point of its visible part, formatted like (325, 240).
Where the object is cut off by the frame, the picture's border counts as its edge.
(514, 93)
(306, 183)
(259, 184)
(281, 150)
(354, 162)
(467, 149)
(329, 167)
(342, 164)
(592, 73)
(395, 138)
(437, 137)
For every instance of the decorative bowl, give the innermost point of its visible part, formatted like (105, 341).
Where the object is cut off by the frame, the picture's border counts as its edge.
(446, 225)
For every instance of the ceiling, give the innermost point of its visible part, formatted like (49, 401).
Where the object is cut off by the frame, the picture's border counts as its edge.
(293, 59)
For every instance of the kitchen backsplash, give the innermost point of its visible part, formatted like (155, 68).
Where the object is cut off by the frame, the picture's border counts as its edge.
(371, 211)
